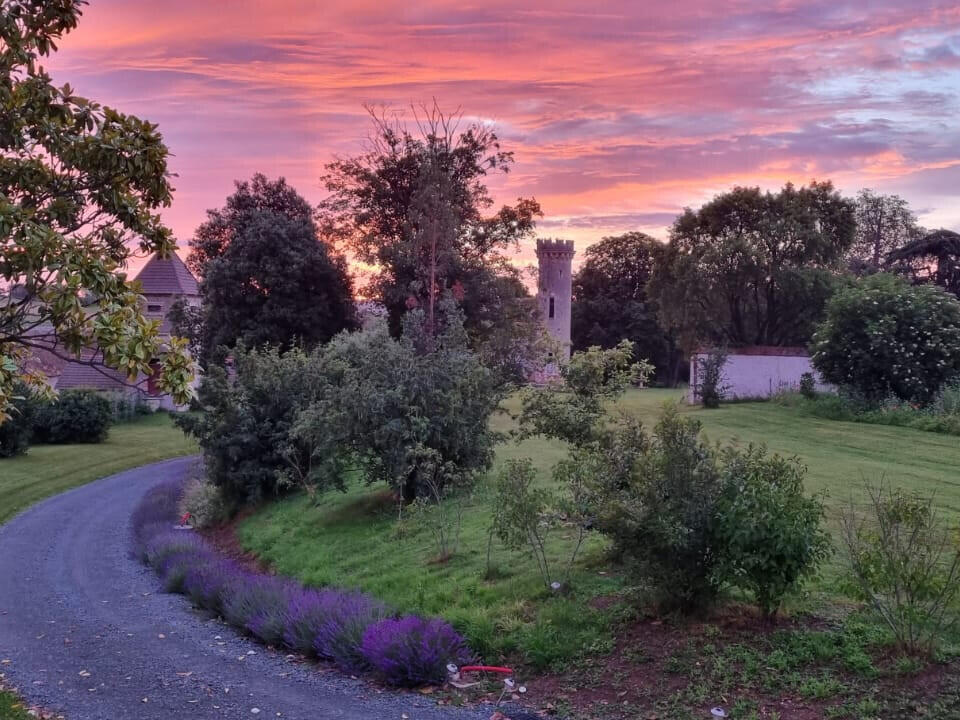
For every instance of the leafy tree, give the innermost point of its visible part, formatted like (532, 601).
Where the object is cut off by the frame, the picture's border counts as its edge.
(251, 200)
(246, 423)
(933, 258)
(414, 207)
(884, 224)
(79, 183)
(610, 301)
(885, 337)
(412, 412)
(753, 268)
(267, 279)
(577, 414)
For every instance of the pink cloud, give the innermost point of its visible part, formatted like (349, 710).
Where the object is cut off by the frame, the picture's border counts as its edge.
(620, 113)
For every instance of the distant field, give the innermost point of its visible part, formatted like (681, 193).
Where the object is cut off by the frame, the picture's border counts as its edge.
(49, 469)
(353, 539)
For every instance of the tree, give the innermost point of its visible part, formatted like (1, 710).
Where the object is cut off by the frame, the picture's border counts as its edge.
(933, 258)
(884, 223)
(610, 301)
(413, 206)
(753, 268)
(246, 423)
(885, 337)
(250, 200)
(79, 183)
(267, 278)
(412, 412)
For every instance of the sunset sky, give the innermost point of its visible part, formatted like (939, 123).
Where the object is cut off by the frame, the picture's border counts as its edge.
(620, 113)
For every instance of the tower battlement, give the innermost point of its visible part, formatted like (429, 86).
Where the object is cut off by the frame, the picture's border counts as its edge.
(549, 245)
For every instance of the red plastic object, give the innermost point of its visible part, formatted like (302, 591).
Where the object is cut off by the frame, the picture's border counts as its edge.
(487, 668)
(184, 518)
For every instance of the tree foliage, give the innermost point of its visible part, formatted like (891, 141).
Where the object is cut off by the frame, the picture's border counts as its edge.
(753, 268)
(884, 337)
(771, 533)
(610, 301)
(412, 412)
(245, 423)
(267, 278)
(577, 413)
(933, 258)
(885, 223)
(414, 207)
(79, 183)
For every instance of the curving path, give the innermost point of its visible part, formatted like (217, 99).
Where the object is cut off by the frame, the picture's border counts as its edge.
(85, 631)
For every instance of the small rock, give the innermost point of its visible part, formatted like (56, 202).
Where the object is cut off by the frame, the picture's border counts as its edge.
(255, 711)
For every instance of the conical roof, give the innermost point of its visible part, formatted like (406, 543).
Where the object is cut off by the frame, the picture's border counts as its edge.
(167, 276)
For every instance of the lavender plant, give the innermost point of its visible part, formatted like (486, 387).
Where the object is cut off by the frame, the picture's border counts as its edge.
(329, 624)
(412, 651)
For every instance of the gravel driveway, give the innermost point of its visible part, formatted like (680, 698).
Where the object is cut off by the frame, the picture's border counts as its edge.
(85, 631)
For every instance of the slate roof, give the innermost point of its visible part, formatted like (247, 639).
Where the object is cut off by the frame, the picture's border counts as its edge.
(167, 276)
(81, 375)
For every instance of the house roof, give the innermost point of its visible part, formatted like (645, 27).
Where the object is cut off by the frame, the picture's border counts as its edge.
(167, 276)
(80, 374)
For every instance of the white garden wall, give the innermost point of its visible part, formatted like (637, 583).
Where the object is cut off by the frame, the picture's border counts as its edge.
(758, 372)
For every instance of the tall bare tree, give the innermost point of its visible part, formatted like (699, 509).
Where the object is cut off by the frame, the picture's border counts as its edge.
(884, 224)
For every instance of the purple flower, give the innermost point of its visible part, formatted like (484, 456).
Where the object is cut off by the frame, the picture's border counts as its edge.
(347, 627)
(413, 651)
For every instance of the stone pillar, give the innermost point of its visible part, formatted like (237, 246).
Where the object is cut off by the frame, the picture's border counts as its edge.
(555, 289)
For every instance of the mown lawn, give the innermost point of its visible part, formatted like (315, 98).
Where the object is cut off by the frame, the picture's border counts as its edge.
(355, 539)
(49, 469)
(11, 708)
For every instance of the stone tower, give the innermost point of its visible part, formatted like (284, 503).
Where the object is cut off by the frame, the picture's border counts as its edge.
(555, 289)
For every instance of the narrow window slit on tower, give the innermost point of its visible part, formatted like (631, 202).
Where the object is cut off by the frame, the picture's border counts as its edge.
(551, 307)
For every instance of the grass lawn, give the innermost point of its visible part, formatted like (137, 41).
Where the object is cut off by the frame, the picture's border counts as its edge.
(355, 539)
(50, 469)
(11, 709)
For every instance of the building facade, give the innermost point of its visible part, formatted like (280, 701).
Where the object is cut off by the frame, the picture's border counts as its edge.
(555, 291)
(163, 281)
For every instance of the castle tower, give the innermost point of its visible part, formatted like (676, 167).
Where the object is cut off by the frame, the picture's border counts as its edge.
(555, 289)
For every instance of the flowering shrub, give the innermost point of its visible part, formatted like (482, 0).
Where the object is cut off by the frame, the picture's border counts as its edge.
(340, 635)
(884, 337)
(329, 624)
(258, 605)
(413, 651)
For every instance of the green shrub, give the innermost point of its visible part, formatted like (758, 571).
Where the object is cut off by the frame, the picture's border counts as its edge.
(204, 502)
(661, 517)
(412, 412)
(76, 416)
(905, 564)
(884, 337)
(808, 385)
(710, 387)
(17, 429)
(769, 533)
(246, 423)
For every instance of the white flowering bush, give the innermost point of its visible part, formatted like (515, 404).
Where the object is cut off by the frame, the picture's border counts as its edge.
(883, 337)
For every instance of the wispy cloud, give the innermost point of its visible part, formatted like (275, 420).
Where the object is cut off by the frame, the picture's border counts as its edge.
(620, 113)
